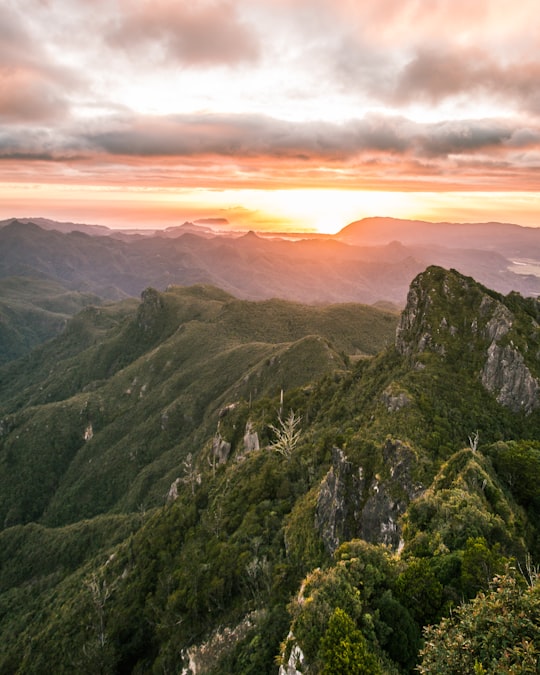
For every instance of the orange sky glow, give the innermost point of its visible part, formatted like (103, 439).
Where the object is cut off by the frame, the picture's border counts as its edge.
(271, 114)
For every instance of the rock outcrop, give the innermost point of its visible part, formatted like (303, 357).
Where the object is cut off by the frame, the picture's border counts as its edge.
(505, 373)
(296, 660)
(199, 659)
(172, 494)
(149, 309)
(251, 438)
(220, 449)
(454, 316)
(339, 494)
(352, 506)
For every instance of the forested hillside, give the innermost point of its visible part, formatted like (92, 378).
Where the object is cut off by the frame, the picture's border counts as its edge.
(33, 311)
(199, 484)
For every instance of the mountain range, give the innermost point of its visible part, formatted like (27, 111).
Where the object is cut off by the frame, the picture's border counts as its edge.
(192, 482)
(370, 261)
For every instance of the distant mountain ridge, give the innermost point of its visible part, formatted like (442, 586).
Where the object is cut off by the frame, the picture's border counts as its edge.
(65, 227)
(505, 238)
(369, 261)
(369, 231)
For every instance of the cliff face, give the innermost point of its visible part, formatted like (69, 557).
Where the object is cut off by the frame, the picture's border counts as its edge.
(505, 373)
(457, 318)
(352, 505)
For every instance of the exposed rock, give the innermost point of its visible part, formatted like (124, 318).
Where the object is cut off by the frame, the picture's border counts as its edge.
(292, 657)
(507, 377)
(251, 438)
(348, 506)
(88, 432)
(394, 400)
(295, 662)
(201, 658)
(173, 490)
(500, 322)
(388, 499)
(227, 409)
(505, 373)
(333, 503)
(437, 306)
(220, 449)
(418, 303)
(463, 317)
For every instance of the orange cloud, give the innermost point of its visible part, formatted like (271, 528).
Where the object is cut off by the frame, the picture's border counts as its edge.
(202, 33)
(434, 74)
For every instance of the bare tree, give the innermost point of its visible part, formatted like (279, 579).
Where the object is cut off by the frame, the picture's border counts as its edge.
(191, 477)
(98, 651)
(100, 592)
(473, 441)
(287, 434)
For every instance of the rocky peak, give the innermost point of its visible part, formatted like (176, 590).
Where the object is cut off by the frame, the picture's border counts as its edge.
(455, 317)
(150, 309)
(440, 310)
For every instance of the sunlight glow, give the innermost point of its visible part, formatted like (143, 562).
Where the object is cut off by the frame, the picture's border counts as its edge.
(322, 210)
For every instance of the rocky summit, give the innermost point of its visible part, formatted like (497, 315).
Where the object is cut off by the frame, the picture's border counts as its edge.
(455, 317)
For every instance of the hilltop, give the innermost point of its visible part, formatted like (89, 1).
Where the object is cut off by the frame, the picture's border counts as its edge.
(504, 238)
(166, 508)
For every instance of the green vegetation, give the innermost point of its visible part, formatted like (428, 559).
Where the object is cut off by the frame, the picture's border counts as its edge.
(33, 311)
(497, 632)
(207, 481)
(103, 417)
(343, 648)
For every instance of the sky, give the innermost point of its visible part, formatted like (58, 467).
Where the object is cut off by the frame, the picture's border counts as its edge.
(270, 114)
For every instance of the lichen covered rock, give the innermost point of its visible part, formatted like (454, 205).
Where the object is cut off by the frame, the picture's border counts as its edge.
(352, 506)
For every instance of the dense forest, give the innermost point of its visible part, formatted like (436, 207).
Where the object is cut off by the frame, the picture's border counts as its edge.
(197, 484)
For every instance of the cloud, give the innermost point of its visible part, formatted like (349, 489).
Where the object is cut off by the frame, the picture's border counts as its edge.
(463, 136)
(28, 96)
(296, 54)
(33, 88)
(190, 34)
(244, 137)
(15, 43)
(435, 74)
(398, 53)
(270, 78)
